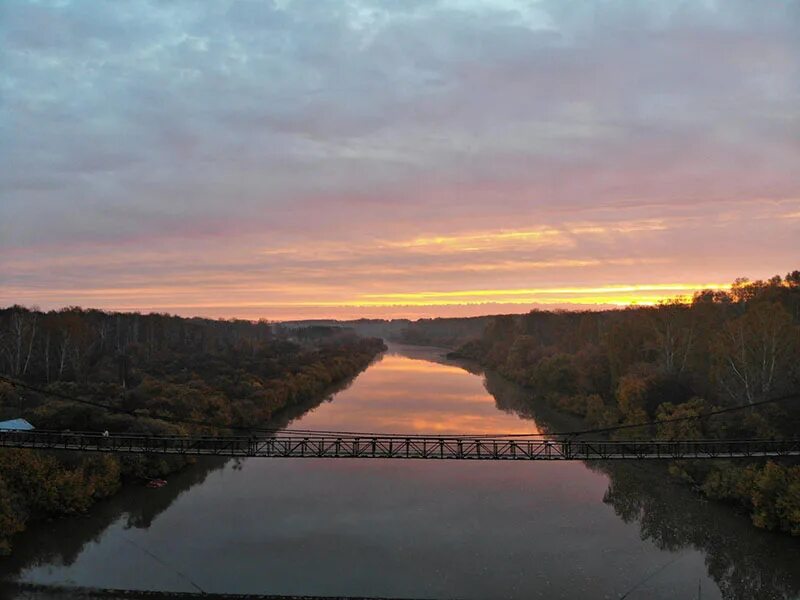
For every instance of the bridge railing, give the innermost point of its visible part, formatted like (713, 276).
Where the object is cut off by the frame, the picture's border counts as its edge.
(510, 449)
(410, 447)
(127, 442)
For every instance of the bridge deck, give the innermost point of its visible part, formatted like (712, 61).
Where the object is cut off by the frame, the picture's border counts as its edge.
(434, 447)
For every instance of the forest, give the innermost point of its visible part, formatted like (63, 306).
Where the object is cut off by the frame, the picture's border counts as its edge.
(636, 366)
(148, 373)
(683, 358)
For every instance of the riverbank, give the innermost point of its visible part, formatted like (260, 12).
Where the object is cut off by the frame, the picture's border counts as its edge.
(675, 371)
(177, 384)
(37, 485)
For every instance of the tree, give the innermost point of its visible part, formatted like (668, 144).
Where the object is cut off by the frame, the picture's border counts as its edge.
(556, 374)
(690, 428)
(10, 520)
(674, 327)
(754, 353)
(18, 340)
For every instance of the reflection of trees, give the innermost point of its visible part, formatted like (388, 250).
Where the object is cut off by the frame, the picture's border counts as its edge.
(286, 416)
(745, 562)
(512, 398)
(62, 541)
(146, 506)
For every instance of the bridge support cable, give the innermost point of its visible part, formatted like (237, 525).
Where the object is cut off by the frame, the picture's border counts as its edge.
(431, 448)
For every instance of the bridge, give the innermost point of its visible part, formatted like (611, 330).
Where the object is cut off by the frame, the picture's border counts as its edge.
(399, 447)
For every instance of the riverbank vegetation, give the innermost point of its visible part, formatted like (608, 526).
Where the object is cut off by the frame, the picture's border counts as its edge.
(718, 350)
(152, 373)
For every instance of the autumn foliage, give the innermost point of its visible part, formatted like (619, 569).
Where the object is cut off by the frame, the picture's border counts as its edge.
(156, 374)
(680, 359)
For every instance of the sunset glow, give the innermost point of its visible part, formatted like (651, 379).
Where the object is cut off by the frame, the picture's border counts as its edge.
(345, 160)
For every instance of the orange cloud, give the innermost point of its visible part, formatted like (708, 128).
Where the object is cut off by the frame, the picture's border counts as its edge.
(572, 263)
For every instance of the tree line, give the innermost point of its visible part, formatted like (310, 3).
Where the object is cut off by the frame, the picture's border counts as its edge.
(683, 358)
(154, 373)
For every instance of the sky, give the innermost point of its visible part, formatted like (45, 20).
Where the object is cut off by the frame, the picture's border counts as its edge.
(412, 158)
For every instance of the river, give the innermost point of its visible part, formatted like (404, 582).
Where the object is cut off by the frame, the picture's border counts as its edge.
(416, 529)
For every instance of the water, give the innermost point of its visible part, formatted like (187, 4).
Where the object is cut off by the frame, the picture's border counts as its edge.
(416, 529)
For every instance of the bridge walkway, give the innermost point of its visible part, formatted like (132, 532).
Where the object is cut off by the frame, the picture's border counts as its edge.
(400, 447)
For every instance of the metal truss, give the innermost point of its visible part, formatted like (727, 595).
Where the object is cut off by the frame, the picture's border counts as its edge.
(433, 447)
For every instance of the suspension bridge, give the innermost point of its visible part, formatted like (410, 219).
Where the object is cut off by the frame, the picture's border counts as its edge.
(272, 443)
(400, 447)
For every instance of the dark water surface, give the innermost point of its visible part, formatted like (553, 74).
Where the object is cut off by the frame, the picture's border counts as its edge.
(413, 529)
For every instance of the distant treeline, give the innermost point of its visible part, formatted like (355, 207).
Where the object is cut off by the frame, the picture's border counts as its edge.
(155, 374)
(443, 331)
(678, 359)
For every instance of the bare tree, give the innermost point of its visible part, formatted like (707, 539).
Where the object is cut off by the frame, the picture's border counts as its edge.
(17, 331)
(31, 338)
(21, 336)
(63, 349)
(674, 327)
(754, 352)
(47, 356)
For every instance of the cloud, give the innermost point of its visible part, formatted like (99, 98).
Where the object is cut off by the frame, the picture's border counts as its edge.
(190, 138)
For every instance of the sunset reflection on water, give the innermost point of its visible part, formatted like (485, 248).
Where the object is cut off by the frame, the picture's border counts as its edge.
(417, 392)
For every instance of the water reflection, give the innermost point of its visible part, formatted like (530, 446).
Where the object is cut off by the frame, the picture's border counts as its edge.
(418, 528)
(744, 562)
(62, 541)
(416, 390)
